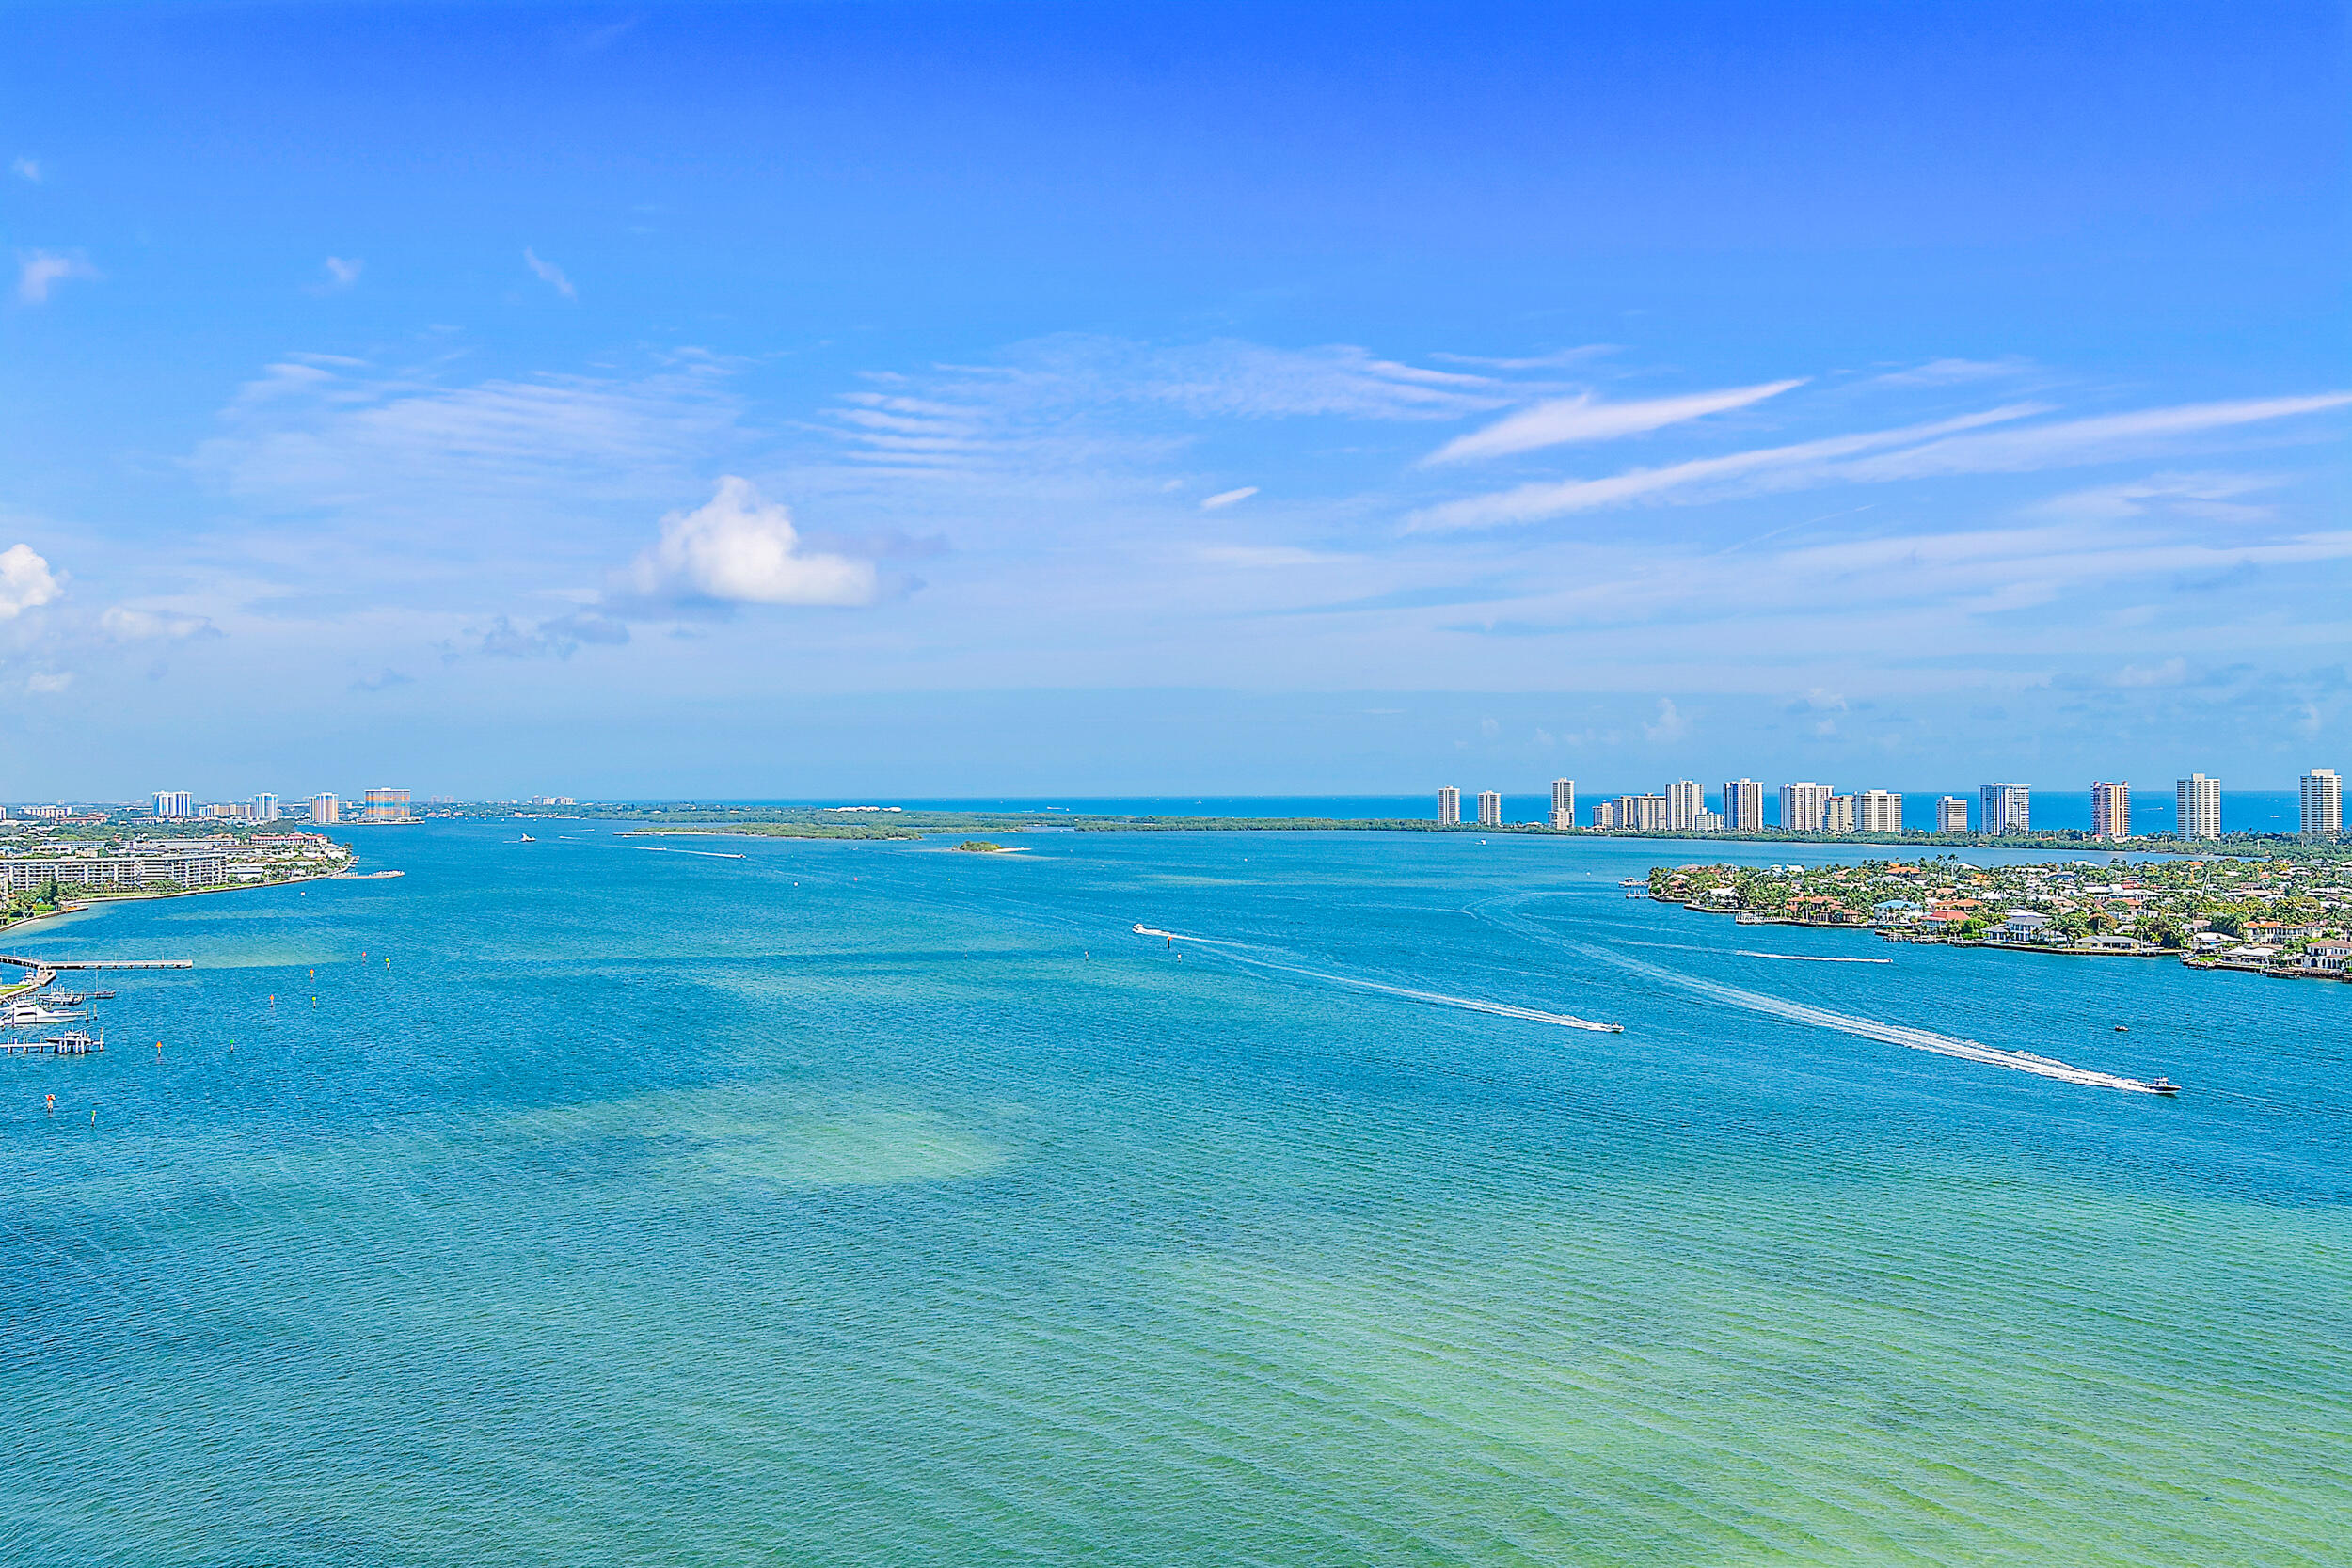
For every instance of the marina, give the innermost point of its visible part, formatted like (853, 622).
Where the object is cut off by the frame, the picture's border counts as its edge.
(30, 1006)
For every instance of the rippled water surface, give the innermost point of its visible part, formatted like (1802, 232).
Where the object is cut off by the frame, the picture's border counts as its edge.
(882, 1204)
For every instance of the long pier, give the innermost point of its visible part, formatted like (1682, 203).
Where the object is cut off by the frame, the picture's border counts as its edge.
(97, 963)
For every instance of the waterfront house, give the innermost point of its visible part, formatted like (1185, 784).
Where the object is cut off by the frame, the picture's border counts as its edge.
(2019, 925)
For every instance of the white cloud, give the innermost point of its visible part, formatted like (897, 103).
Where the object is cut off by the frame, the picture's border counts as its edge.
(26, 582)
(1583, 417)
(1260, 556)
(39, 271)
(549, 274)
(1532, 502)
(1227, 498)
(126, 624)
(1669, 726)
(2104, 439)
(738, 548)
(1949, 446)
(2172, 672)
(46, 683)
(1948, 373)
(316, 433)
(2211, 496)
(27, 168)
(341, 273)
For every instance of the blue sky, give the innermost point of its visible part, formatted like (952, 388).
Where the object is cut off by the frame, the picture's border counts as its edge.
(939, 400)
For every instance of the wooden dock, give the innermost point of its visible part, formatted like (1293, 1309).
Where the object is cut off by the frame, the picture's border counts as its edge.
(96, 963)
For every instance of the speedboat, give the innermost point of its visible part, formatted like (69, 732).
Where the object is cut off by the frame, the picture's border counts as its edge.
(527, 839)
(2163, 1086)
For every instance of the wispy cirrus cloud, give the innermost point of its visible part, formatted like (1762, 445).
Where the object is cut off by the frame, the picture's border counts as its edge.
(1585, 417)
(1759, 467)
(1224, 498)
(1941, 449)
(549, 274)
(318, 434)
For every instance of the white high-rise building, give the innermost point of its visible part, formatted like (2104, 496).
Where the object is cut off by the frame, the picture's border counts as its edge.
(2007, 809)
(2323, 804)
(1743, 806)
(1449, 807)
(1804, 806)
(1564, 802)
(1648, 811)
(265, 808)
(1490, 808)
(1951, 815)
(2110, 810)
(326, 811)
(1878, 811)
(174, 804)
(2197, 807)
(1684, 801)
(1608, 814)
(1838, 815)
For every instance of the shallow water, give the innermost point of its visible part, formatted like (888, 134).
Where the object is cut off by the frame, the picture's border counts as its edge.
(876, 1203)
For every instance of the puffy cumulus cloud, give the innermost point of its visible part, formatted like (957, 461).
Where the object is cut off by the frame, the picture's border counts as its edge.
(128, 624)
(1671, 725)
(26, 582)
(39, 271)
(739, 548)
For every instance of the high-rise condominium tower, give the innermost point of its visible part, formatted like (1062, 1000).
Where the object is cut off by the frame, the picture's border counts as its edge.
(2197, 807)
(1803, 806)
(1564, 802)
(1878, 811)
(2110, 810)
(174, 803)
(2323, 804)
(1684, 801)
(1743, 806)
(1951, 815)
(1489, 809)
(2007, 808)
(325, 810)
(1449, 807)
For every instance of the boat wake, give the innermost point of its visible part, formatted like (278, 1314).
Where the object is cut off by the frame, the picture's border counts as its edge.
(1822, 1018)
(1805, 957)
(1243, 953)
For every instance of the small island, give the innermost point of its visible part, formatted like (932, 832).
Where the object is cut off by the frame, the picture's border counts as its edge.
(2269, 916)
(981, 847)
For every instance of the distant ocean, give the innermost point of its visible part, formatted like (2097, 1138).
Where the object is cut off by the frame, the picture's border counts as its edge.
(2242, 811)
(726, 1201)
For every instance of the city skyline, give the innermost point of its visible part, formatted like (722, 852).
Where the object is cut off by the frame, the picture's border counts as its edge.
(1499, 386)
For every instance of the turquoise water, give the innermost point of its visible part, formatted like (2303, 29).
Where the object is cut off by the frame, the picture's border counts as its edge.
(878, 1204)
